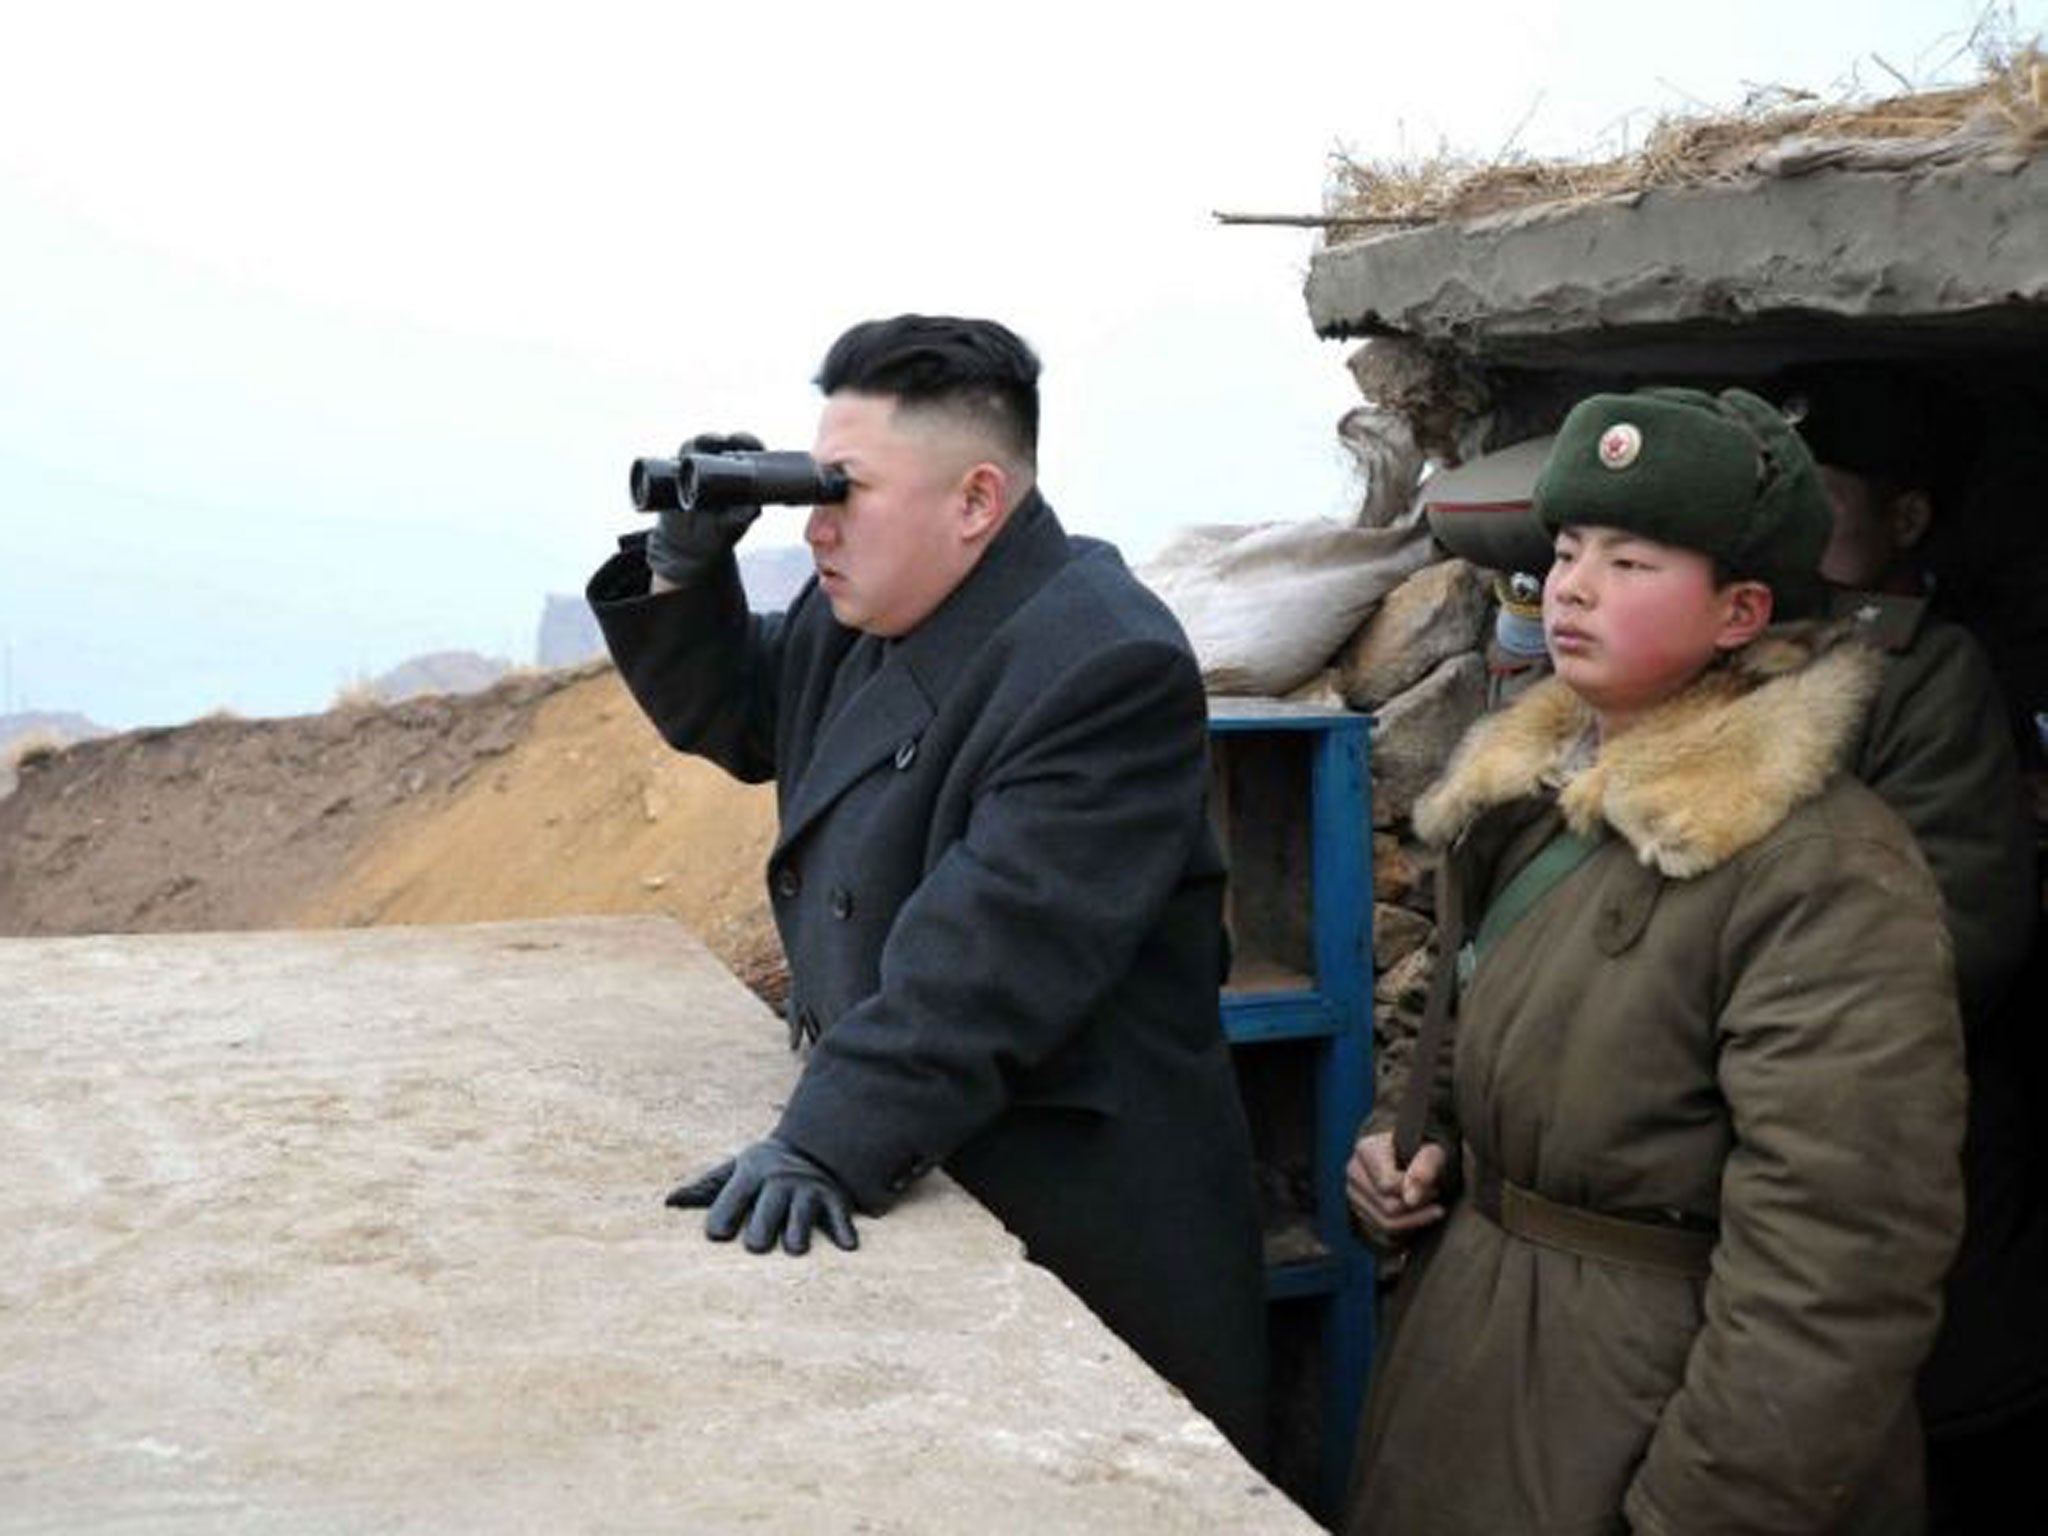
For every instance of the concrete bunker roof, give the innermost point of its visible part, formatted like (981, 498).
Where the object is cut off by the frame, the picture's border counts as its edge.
(1917, 224)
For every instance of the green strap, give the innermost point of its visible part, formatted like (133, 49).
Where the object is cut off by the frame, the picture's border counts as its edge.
(1533, 881)
(1455, 959)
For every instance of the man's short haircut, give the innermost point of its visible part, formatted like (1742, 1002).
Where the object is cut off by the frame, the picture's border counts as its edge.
(976, 369)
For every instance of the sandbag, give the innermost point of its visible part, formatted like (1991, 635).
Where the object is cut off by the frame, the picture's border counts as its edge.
(1267, 606)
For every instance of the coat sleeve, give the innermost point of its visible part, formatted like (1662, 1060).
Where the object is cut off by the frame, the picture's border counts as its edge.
(1935, 748)
(1840, 1059)
(1081, 825)
(704, 669)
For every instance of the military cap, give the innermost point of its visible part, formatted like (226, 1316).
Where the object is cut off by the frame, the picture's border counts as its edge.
(1724, 474)
(1869, 418)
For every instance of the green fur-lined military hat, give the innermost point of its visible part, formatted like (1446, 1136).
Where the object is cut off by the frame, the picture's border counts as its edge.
(1722, 474)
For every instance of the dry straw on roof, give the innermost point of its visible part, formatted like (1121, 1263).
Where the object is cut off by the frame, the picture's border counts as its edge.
(2002, 115)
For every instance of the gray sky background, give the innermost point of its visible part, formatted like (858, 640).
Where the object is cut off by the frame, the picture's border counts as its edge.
(327, 333)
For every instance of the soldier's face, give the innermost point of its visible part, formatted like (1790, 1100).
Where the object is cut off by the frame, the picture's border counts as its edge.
(906, 535)
(1630, 622)
(1872, 531)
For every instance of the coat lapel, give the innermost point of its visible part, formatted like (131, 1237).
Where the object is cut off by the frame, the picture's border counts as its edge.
(887, 713)
(881, 724)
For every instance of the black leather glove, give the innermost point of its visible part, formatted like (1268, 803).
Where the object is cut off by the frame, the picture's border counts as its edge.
(683, 544)
(777, 1191)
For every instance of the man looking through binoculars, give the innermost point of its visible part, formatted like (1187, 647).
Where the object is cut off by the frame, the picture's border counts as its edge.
(994, 878)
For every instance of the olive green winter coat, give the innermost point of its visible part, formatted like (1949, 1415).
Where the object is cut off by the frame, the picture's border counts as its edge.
(1936, 749)
(1738, 1016)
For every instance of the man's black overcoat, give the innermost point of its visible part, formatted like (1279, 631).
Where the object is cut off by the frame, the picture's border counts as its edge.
(1001, 902)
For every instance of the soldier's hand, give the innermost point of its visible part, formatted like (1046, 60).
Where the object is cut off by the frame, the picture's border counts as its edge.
(683, 544)
(1390, 1201)
(777, 1193)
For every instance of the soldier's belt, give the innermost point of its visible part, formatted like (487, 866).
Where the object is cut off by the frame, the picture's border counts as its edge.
(1664, 1249)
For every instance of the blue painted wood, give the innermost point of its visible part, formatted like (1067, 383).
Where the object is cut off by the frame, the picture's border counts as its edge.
(1337, 1010)
(1303, 1279)
(1342, 856)
(1250, 1016)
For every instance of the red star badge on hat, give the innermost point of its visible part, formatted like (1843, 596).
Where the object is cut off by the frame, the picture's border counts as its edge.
(1620, 444)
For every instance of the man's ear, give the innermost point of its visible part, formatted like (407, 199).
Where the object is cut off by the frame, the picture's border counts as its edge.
(1747, 615)
(1910, 514)
(984, 501)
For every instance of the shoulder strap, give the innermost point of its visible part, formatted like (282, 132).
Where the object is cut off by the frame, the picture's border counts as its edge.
(1533, 881)
(1557, 858)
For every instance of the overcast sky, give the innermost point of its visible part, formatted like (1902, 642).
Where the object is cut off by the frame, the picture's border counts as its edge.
(327, 332)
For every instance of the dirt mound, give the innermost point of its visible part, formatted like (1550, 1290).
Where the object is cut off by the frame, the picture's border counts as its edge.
(592, 812)
(546, 795)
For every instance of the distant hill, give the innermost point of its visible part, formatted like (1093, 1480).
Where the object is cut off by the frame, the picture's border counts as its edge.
(35, 722)
(438, 672)
(569, 634)
(48, 727)
(773, 575)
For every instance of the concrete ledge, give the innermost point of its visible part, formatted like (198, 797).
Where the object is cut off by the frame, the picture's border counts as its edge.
(362, 1230)
(1963, 242)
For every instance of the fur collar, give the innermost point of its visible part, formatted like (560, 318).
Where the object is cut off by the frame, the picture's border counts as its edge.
(1695, 781)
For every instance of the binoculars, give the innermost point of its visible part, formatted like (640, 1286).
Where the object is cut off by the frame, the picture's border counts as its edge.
(693, 482)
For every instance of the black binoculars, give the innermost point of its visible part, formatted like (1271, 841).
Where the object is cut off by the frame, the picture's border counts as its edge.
(694, 482)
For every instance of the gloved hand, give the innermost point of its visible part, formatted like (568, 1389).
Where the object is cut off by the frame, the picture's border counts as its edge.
(683, 544)
(786, 1192)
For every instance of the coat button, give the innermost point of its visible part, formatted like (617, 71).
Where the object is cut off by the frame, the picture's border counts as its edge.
(787, 882)
(842, 903)
(906, 755)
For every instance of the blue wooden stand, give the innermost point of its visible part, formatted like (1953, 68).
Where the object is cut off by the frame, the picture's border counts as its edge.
(1332, 1008)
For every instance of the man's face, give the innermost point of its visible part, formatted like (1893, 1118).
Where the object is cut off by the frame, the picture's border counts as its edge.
(1864, 545)
(903, 539)
(1630, 621)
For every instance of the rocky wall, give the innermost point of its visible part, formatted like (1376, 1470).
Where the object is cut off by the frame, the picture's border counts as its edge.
(1417, 663)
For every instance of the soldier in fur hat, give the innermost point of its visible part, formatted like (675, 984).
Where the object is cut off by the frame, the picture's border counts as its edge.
(1936, 747)
(1679, 1166)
